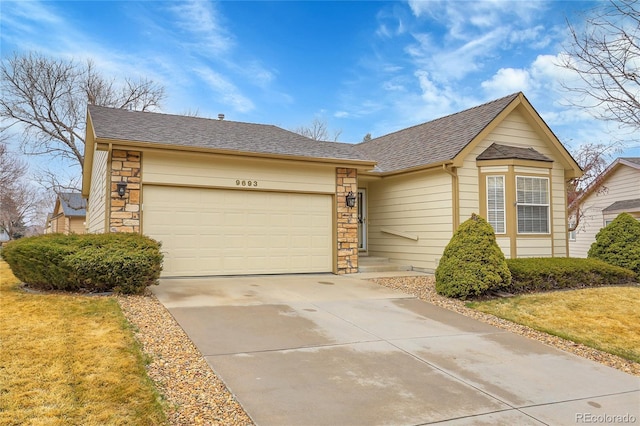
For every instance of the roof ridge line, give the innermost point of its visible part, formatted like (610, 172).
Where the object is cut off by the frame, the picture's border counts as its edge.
(443, 117)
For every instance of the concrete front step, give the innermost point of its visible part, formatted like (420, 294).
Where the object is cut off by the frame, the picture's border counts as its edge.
(379, 264)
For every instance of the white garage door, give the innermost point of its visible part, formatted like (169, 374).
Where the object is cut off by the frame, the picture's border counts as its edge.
(232, 232)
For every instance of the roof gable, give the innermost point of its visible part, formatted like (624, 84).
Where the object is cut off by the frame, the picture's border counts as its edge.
(633, 162)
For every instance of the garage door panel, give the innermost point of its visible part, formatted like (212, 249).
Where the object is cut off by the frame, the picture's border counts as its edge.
(226, 232)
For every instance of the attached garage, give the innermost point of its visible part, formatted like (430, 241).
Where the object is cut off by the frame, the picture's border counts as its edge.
(238, 231)
(223, 197)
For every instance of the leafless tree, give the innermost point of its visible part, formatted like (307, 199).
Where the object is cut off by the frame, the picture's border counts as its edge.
(593, 159)
(605, 57)
(11, 168)
(46, 99)
(20, 201)
(318, 130)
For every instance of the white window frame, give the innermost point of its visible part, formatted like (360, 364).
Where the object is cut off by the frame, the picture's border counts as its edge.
(547, 205)
(572, 234)
(504, 205)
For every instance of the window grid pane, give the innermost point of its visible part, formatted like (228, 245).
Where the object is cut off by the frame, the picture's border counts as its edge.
(495, 203)
(532, 195)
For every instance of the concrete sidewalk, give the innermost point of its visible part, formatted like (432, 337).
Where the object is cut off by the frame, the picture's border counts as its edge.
(336, 350)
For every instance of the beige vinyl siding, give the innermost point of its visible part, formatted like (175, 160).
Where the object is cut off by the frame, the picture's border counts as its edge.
(515, 130)
(213, 171)
(76, 225)
(559, 215)
(505, 245)
(622, 183)
(96, 207)
(417, 205)
(534, 247)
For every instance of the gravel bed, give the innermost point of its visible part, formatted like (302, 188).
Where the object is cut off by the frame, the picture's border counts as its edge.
(423, 287)
(196, 396)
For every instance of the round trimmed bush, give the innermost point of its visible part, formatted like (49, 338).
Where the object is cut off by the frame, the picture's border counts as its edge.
(472, 263)
(619, 243)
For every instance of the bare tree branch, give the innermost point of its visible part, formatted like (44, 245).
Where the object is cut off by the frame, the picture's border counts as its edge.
(46, 98)
(20, 202)
(318, 130)
(593, 159)
(605, 57)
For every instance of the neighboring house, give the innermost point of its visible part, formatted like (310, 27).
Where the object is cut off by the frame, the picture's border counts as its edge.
(237, 198)
(68, 215)
(4, 235)
(48, 225)
(617, 191)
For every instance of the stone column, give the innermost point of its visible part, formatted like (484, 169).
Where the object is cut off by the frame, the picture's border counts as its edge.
(125, 212)
(347, 221)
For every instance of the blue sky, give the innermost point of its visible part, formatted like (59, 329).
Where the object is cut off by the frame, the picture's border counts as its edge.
(363, 67)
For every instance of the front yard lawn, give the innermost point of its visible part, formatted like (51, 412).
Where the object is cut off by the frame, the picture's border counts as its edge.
(70, 359)
(604, 318)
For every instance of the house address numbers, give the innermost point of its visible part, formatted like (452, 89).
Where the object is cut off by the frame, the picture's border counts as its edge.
(243, 182)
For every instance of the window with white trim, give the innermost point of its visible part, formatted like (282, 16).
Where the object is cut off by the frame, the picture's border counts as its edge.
(532, 201)
(495, 203)
(572, 234)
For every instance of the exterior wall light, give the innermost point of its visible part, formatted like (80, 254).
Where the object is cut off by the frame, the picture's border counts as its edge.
(122, 187)
(351, 199)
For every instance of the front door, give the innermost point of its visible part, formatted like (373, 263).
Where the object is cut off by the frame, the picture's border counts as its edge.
(362, 220)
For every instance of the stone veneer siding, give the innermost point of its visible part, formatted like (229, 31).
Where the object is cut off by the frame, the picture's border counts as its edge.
(125, 212)
(347, 221)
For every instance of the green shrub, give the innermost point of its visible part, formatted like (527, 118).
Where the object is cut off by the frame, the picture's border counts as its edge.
(472, 263)
(553, 273)
(123, 262)
(619, 243)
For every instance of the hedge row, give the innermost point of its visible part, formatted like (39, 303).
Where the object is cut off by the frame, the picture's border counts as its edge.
(123, 262)
(542, 274)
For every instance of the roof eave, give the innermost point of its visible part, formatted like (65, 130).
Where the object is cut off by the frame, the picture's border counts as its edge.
(423, 167)
(125, 144)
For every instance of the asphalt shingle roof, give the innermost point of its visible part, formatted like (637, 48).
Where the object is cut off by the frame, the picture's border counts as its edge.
(635, 160)
(502, 152)
(624, 205)
(73, 204)
(432, 142)
(148, 127)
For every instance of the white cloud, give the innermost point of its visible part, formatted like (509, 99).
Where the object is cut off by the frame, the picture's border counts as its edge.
(200, 19)
(508, 80)
(228, 92)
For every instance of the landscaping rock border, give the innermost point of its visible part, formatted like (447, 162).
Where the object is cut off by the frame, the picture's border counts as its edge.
(193, 393)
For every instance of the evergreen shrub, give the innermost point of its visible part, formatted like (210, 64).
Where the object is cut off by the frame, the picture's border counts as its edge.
(472, 263)
(554, 273)
(121, 262)
(619, 243)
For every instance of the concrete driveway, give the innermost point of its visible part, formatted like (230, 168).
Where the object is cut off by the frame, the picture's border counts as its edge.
(336, 350)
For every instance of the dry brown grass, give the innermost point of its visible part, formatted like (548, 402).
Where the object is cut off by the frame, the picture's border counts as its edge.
(70, 359)
(605, 318)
